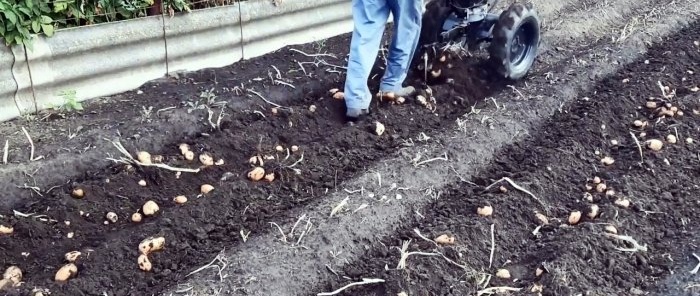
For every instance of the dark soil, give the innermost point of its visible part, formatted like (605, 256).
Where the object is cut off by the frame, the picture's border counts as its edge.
(196, 231)
(555, 164)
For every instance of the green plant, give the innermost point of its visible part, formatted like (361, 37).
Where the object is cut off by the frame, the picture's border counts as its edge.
(70, 101)
(19, 18)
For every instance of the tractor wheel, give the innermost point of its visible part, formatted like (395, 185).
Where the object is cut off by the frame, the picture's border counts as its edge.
(516, 38)
(434, 18)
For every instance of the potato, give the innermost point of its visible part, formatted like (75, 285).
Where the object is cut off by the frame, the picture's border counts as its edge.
(539, 271)
(66, 272)
(610, 192)
(206, 188)
(184, 148)
(654, 144)
(332, 91)
(256, 174)
(422, 100)
(142, 183)
(78, 193)
(574, 217)
(595, 209)
(588, 197)
(256, 160)
(589, 187)
(144, 263)
(503, 189)
(611, 229)
(136, 217)
(151, 244)
(150, 208)
(638, 123)
(144, 157)
(206, 159)
(651, 105)
(6, 229)
(273, 111)
(503, 273)
(70, 234)
(112, 217)
(400, 100)
(4, 283)
(623, 202)
(72, 256)
(614, 142)
(219, 162)
(378, 128)
(596, 180)
(679, 113)
(689, 140)
(601, 187)
(671, 139)
(279, 148)
(607, 160)
(189, 155)
(485, 211)
(270, 177)
(312, 108)
(339, 95)
(295, 148)
(542, 218)
(180, 199)
(445, 239)
(436, 74)
(13, 274)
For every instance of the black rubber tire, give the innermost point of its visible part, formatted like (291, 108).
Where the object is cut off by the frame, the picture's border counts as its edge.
(518, 16)
(436, 13)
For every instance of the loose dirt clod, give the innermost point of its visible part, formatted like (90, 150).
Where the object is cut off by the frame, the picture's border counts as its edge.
(66, 272)
(136, 217)
(256, 174)
(445, 239)
(7, 230)
(180, 199)
(574, 217)
(485, 211)
(503, 273)
(72, 256)
(144, 263)
(151, 244)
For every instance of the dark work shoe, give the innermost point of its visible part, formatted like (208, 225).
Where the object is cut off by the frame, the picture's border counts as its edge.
(353, 115)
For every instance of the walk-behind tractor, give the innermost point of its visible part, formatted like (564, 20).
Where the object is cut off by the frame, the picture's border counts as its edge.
(513, 35)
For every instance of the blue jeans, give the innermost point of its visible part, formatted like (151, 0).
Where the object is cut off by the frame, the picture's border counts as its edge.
(370, 17)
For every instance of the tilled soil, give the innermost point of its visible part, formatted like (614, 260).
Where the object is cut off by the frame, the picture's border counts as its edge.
(329, 151)
(555, 164)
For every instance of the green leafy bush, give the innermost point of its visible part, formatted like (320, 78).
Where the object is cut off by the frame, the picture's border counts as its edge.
(20, 19)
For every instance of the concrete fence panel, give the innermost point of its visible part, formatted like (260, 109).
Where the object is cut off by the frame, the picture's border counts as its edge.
(267, 27)
(8, 85)
(97, 60)
(208, 38)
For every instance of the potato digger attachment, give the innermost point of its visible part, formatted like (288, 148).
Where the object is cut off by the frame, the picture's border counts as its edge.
(513, 35)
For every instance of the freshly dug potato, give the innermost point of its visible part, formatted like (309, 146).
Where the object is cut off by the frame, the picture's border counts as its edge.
(13, 274)
(72, 256)
(445, 239)
(66, 272)
(623, 202)
(503, 273)
(78, 193)
(651, 105)
(295, 148)
(256, 160)
(638, 123)
(144, 263)
(607, 160)
(312, 108)
(485, 211)
(671, 139)
(542, 218)
(574, 217)
(180, 199)
(6, 229)
(206, 188)
(655, 144)
(595, 209)
(611, 229)
(184, 148)
(151, 244)
(601, 187)
(206, 159)
(596, 180)
(219, 162)
(274, 111)
(189, 155)
(379, 128)
(136, 217)
(503, 189)
(150, 208)
(142, 183)
(112, 217)
(332, 91)
(270, 177)
(144, 157)
(689, 140)
(422, 100)
(256, 174)
(400, 100)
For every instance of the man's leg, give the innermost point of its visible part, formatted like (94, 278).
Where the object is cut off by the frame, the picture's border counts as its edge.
(370, 17)
(407, 24)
